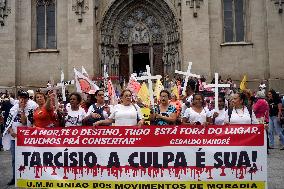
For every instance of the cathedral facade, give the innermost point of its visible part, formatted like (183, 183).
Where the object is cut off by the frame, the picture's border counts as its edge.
(39, 38)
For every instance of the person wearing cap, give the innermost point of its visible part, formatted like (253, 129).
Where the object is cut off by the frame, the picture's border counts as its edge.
(20, 115)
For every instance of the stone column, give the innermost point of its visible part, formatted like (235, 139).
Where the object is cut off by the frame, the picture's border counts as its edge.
(116, 61)
(151, 56)
(130, 53)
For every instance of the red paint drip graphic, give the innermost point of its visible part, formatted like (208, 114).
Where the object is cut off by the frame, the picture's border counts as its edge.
(194, 172)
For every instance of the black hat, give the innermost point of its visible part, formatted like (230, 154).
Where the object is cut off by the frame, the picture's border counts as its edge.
(23, 94)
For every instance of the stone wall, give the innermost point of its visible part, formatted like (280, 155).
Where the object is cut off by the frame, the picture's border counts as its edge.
(234, 60)
(260, 58)
(195, 39)
(8, 48)
(275, 34)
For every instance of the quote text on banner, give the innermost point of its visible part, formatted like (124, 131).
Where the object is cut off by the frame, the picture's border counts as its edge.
(76, 155)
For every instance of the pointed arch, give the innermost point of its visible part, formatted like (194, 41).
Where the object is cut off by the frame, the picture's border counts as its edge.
(139, 22)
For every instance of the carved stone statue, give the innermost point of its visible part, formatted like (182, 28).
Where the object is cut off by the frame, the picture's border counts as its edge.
(80, 6)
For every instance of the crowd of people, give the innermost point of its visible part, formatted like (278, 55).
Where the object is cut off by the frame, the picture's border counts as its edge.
(43, 110)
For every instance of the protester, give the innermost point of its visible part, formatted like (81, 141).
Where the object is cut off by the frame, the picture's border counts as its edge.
(262, 86)
(261, 110)
(97, 111)
(261, 107)
(44, 115)
(248, 97)
(275, 108)
(124, 114)
(91, 99)
(31, 94)
(12, 98)
(239, 113)
(196, 114)
(218, 116)
(187, 100)
(75, 114)
(5, 109)
(176, 103)
(164, 113)
(18, 116)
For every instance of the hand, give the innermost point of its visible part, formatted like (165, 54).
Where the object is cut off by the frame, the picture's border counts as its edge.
(216, 114)
(95, 115)
(97, 123)
(158, 116)
(14, 135)
(22, 103)
(140, 123)
(206, 124)
(51, 95)
(191, 123)
(107, 109)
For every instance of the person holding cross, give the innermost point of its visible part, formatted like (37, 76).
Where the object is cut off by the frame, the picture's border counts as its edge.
(219, 114)
(196, 114)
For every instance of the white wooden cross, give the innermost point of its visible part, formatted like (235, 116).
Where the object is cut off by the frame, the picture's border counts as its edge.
(149, 77)
(105, 78)
(63, 85)
(216, 87)
(187, 75)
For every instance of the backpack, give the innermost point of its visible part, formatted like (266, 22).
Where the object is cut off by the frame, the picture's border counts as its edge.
(230, 110)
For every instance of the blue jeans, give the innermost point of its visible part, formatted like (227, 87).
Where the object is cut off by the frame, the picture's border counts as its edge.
(12, 149)
(274, 127)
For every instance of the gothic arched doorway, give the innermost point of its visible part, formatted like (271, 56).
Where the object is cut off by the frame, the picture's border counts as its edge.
(135, 33)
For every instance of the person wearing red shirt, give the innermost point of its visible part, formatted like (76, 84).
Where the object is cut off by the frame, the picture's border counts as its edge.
(44, 115)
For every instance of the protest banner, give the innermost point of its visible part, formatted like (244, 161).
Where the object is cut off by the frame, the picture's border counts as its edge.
(169, 157)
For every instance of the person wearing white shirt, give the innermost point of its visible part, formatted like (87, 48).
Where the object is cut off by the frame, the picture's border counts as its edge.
(75, 114)
(240, 114)
(218, 117)
(196, 114)
(98, 111)
(19, 115)
(124, 114)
